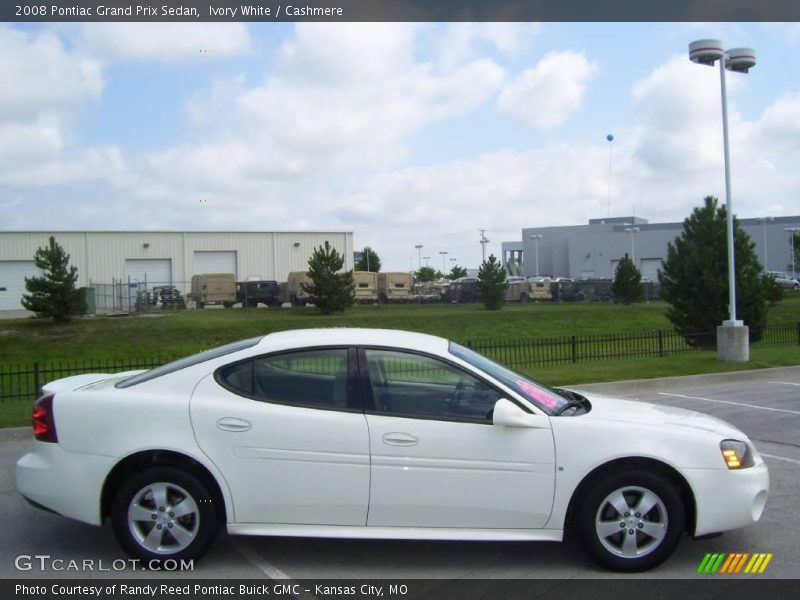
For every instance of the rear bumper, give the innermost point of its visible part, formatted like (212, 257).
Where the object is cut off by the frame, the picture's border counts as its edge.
(66, 483)
(728, 499)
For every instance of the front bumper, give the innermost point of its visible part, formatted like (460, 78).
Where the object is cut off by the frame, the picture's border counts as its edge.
(728, 499)
(67, 483)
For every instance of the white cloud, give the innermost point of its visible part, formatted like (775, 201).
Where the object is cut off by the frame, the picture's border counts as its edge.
(163, 42)
(546, 95)
(461, 42)
(38, 73)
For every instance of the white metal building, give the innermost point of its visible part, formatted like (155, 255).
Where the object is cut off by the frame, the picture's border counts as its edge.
(164, 257)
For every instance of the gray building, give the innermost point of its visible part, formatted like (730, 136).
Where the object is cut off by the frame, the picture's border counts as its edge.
(594, 250)
(163, 257)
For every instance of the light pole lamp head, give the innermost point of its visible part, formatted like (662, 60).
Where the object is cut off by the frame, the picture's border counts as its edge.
(740, 59)
(706, 52)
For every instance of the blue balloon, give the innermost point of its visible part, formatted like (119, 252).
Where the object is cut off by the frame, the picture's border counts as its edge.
(610, 137)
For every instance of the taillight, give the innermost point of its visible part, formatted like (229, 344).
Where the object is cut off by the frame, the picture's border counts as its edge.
(44, 425)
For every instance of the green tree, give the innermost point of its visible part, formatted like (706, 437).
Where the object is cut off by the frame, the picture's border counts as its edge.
(773, 291)
(53, 294)
(426, 274)
(457, 273)
(331, 290)
(492, 283)
(369, 261)
(627, 287)
(694, 279)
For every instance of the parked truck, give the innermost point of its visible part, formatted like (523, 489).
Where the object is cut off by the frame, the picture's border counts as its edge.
(366, 287)
(395, 286)
(254, 292)
(214, 288)
(292, 291)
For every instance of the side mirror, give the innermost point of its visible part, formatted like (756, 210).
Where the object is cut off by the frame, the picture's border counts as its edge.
(508, 414)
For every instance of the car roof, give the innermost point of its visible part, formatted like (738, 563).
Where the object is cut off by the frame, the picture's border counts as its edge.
(355, 336)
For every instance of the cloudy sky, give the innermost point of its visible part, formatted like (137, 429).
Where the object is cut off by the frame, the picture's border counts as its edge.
(402, 133)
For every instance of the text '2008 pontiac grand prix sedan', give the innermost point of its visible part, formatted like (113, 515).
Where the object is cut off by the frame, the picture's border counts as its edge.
(358, 433)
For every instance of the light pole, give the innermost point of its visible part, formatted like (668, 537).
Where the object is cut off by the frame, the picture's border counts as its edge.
(536, 237)
(419, 255)
(484, 241)
(731, 344)
(632, 231)
(443, 253)
(793, 230)
(764, 229)
(427, 258)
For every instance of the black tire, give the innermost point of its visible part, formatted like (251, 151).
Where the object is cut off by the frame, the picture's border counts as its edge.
(632, 547)
(181, 490)
(523, 298)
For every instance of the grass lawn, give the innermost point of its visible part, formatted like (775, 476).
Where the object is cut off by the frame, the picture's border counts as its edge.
(180, 333)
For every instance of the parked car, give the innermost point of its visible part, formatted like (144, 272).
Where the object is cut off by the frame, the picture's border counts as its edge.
(784, 279)
(376, 433)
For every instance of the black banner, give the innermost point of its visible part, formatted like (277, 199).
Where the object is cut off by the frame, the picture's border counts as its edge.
(727, 588)
(400, 10)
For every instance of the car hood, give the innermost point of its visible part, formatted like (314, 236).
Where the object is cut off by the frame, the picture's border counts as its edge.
(635, 412)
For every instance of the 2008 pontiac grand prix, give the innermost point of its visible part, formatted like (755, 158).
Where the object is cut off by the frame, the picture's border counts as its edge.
(358, 433)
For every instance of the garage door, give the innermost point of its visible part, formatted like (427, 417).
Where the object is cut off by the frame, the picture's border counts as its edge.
(12, 282)
(214, 262)
(154, 271)
(650, 268)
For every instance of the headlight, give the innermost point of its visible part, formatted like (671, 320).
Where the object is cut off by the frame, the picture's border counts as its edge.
(736, 454)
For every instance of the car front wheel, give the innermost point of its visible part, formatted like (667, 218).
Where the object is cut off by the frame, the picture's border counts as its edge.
(164, 513)
(631, 521)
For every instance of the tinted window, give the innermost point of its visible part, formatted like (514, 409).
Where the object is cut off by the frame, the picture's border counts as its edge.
(548, 399)
(189, 361)
(238, 376)
(312, 378)
(406, 384)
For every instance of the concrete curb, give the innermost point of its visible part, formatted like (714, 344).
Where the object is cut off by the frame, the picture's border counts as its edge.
(15, 434)
(664, 383)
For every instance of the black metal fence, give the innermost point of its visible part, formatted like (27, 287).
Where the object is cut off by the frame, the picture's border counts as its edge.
(18, 382)
(573, 349)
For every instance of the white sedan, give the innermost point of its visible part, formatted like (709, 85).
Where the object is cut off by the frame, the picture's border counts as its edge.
(358, 433)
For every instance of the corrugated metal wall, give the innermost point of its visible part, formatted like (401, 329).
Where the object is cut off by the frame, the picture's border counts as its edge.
(100, 255)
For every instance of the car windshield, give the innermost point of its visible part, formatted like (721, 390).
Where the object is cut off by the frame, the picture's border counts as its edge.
(550, 400)
(188, 361)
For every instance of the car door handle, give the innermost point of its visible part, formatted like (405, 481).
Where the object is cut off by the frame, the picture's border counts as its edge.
(400, 439)
(234, 424)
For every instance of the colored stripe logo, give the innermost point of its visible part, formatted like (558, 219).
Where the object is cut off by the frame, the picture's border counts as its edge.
(734, 563)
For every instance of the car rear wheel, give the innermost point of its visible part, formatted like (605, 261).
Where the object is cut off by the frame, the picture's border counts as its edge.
(631, 520)
(164, 513)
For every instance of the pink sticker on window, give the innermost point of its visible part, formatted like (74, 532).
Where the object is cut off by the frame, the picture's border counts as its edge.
(536, 394)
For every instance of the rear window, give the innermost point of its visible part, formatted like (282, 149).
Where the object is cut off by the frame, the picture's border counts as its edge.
(189, 361)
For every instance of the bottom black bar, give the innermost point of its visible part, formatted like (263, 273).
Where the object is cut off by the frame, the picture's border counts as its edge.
(716, 587)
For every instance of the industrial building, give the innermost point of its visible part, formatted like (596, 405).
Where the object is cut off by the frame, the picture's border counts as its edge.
(156, 258)
(594, 250)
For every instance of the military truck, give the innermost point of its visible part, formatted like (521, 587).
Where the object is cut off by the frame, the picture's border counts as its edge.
(214, 288)
(431, 291)
(366, 287)
(395, 286)
(251, 293)
(292, 291)
(464, 289)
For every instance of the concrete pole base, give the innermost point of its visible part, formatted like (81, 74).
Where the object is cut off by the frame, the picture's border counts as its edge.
(733, 343)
